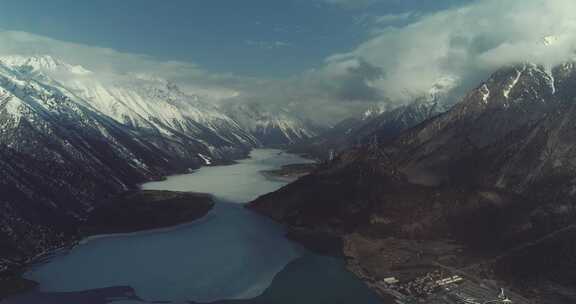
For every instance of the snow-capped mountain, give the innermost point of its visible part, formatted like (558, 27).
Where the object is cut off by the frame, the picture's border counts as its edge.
(381, 123)
(70, 137)
(272, 127)
(43, 63)
(494, 174)
(514, 132)
(151, 105)
(58, 157)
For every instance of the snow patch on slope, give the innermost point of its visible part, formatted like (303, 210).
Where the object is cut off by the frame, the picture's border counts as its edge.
(280, 126)
(205, 158)
(485, 93)
(136, 101)
(513, 83)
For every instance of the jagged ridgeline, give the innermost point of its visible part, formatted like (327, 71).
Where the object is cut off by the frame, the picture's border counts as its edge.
(495, 172)
(70, 137)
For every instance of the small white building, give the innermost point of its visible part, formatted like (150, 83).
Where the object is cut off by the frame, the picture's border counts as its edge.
(451, 280)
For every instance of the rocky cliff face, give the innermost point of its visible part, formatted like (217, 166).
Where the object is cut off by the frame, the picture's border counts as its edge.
(493, 173)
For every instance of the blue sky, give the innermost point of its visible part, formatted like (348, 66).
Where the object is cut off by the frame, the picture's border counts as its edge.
(329, 58)
(263, 38)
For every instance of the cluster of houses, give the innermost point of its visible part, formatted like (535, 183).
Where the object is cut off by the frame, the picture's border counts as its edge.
(433, 282)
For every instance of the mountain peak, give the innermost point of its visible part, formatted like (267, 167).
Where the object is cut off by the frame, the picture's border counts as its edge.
(441, 88)
(514, 85)
(43, 63)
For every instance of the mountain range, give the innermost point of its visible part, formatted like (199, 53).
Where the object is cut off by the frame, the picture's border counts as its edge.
(486, 187)
(485, 184)
(376, 125)
(70, 137)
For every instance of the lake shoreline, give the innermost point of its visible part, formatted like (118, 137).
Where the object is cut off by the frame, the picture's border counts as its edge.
(11, 285)
(12, 281)
(153, 210)
(229, 223)
(290, 172)
(144, 210)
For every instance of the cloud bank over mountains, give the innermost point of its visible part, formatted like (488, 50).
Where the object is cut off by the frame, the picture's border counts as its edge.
(451, 49)
(111, 65)
(466, 43)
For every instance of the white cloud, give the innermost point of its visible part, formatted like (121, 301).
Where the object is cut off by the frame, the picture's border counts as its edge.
(268, 45)
(393, 18)
(454, 47)
(317, 94)
(109, 63)
(466, 44)
(95, 58)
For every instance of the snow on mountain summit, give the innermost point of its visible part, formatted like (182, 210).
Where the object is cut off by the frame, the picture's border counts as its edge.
(272, 126)
(44, 63)
(147, 106)
(147, 102)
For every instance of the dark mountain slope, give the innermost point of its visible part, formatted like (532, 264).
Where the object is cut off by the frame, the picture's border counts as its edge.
(493, 173)
(382, 127)
(60, 156)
